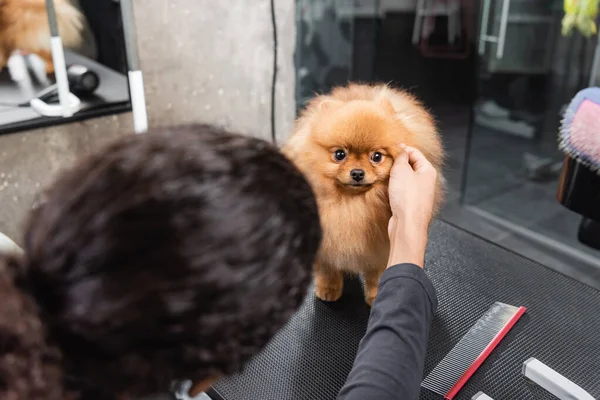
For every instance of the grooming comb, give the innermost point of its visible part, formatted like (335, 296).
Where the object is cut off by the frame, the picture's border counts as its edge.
(579, 134)
(451, 374)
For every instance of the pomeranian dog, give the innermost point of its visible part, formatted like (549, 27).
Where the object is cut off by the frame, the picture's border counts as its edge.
(24, 27)
(345, 143)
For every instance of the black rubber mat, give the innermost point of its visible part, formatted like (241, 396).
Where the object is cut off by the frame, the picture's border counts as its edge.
(311, 357)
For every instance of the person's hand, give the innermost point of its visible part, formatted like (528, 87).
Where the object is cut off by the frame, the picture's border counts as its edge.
(412, 193)
(412, 188)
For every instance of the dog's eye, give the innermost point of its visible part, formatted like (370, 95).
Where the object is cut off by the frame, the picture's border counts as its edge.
(339, 155)
(377, 157)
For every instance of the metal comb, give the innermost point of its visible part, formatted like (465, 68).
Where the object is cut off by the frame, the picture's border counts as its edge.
(451, 374)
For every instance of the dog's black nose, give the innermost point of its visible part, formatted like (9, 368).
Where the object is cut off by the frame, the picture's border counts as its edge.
(357, 174)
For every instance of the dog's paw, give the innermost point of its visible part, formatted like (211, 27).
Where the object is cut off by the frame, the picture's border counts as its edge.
(370, 295)
(329, 292)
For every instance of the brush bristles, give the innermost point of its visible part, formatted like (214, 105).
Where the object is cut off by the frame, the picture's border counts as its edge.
(579, 134)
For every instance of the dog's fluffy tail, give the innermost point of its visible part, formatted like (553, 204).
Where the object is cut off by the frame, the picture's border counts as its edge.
(28, 24)
(70, 24)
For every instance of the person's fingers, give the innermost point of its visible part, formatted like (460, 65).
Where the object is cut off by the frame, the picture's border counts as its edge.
(417, 160)
(402, 158)
(400, 162)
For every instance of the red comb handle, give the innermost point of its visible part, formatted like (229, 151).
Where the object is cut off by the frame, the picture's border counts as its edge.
(484, 354)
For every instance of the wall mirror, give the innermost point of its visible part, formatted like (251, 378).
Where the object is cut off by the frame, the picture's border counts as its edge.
(96, 61)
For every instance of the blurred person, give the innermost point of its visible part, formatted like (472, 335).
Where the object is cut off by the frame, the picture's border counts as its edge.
(176, 254)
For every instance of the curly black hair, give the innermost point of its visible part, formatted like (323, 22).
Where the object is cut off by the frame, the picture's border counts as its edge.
(175, 254)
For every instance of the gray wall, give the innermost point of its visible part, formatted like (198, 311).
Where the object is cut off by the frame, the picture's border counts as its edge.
(203, 61)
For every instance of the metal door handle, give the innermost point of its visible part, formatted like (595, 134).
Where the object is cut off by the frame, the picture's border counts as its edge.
(501, 38)
(485, 17)
(503, 24)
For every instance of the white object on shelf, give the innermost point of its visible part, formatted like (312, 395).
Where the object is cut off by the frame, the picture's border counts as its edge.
(436, 8)
(552, 381)
(66, 99)
(69, 103)
(17, 69)
(66, 108)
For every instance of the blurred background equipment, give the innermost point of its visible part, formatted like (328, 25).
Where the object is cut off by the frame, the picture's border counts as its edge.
(91, 32)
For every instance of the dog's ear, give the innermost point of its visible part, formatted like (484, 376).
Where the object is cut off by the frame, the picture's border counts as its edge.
(386, 105)
(329, 104)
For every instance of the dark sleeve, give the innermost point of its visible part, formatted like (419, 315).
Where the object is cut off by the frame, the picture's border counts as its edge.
(391, 355)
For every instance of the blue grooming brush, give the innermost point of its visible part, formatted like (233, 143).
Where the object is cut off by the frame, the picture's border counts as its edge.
(579, 134)
(579, 185)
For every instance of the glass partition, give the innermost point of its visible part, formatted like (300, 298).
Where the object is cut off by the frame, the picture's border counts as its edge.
(496, 75)
(527, 74)
(326, 44)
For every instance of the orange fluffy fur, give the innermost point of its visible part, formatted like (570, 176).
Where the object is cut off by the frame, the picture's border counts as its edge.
(360, 120)
(24, 27)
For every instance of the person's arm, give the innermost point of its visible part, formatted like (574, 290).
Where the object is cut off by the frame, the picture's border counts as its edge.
(390, 358)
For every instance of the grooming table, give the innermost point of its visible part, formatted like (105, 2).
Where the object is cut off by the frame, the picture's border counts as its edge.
(311, 357)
